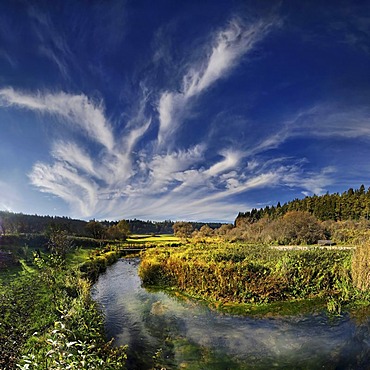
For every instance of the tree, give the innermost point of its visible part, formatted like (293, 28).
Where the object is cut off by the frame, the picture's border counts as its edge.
(59, 243)
(2, 227)
(119, 231)
(223, 229)
(96, 229)
(300, 228)
(182, 229)
(205, 230)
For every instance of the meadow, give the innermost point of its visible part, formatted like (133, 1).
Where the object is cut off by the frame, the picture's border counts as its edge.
(49, 321)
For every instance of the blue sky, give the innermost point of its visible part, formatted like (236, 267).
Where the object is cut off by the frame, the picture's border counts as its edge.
(182, 110)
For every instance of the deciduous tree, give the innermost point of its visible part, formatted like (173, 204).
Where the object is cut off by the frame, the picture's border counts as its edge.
(96, 229)
(182, 229)
(119, 231)
(300, 228)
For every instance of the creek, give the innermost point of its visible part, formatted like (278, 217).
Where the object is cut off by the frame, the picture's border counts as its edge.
(162, 330)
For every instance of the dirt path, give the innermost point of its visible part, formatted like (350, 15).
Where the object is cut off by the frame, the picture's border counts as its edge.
(307, 247)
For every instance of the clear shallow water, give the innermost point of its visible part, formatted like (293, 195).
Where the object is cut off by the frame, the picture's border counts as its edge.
(186, 335)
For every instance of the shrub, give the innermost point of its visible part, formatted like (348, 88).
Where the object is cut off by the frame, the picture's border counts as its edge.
(300, 228)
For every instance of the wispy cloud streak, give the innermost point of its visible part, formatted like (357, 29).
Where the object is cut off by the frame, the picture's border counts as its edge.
(77, 110)
(65, 182)
(114, 169)
(230, 45)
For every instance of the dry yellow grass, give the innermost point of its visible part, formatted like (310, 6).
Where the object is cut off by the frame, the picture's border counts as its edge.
(361, 267)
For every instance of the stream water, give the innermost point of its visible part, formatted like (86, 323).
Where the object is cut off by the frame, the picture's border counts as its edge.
(163, 330)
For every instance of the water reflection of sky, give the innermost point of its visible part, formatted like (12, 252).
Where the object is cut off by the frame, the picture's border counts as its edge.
(145, 319)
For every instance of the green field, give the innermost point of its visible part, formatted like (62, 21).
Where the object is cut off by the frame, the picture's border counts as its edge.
(155, 239)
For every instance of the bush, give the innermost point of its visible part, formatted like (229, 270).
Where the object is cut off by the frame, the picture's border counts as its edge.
(298, 227)
(99, 261)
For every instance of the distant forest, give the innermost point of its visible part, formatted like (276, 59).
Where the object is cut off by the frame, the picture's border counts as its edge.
(19, 223)
(351, 205)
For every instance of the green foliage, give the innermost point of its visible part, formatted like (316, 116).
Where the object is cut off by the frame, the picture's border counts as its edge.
(96, 229)
(21, 314)
(74, 342)
(19, 223)
(152, 240)
(59, 243)
(350, 205)
(49, 321)
(98, 260)
(119, 231)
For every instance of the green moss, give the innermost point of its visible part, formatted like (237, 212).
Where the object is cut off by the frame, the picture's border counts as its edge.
(283, 308)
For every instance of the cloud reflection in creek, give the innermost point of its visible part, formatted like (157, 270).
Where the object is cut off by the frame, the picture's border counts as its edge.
(148, 321)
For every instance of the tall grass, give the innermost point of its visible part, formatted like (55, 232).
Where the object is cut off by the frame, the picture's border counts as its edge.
(241, 273)
(361, 267)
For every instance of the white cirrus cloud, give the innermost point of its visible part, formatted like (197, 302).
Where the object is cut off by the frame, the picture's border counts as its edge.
(75, 156)
(311, 182)
(330, 120)
(64, 181)
(120, 179)
(230, 45)
(126, 169)
(231, 159)
(78, 110)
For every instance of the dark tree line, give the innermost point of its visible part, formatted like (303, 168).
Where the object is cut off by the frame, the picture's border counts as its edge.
(19, 223)
(350, 205)
(150, 227)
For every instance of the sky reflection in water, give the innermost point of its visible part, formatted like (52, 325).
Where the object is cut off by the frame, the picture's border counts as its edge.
(191, 335)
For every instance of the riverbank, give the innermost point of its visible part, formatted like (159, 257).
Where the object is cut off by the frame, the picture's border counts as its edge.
(167, 331)
(48, 319)
(257, 279)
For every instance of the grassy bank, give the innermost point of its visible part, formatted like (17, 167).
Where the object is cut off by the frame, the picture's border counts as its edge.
(238, 277)
(48, 319)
